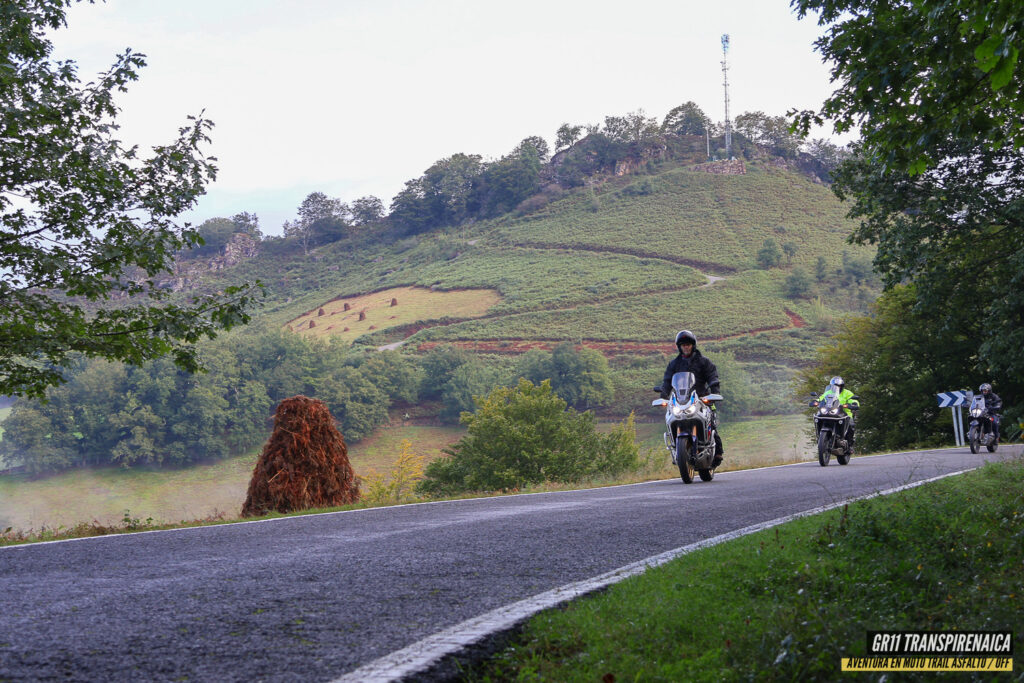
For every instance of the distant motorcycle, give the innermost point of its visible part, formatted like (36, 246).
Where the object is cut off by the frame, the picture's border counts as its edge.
(830, 427)
(689, 428)
(981, 432)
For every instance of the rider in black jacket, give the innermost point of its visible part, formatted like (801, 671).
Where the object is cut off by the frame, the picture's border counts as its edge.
(705, 375)
(994, 404)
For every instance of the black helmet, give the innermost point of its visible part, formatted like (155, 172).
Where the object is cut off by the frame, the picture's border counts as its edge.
(985, 387)
(685, 334)
(838, 381)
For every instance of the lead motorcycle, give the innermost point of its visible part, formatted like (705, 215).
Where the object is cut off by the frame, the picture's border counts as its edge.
(689, 428)
(981, 432)
(830, 427)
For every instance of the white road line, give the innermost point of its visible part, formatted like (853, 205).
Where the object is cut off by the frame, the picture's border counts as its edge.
(421, 655)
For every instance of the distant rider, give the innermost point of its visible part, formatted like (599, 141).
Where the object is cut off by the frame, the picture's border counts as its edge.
(849, 403)
(994, 404)
(705, 379)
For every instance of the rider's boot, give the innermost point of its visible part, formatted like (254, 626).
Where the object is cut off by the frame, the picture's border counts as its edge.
(719, 451)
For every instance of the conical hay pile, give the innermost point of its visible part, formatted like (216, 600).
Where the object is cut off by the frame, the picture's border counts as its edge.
(304, 464)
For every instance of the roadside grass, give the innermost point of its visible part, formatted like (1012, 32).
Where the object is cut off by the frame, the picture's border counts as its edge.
(787, 603)
(96, 501)
(758, 442)
(4, 412)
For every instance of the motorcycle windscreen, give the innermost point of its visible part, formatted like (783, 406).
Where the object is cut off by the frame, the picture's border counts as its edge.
(682, 384)
(978, 403)
(830, 397)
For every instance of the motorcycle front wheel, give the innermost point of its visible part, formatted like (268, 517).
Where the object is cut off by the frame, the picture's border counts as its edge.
(683, 459)
(824, 447)
(992, 446)
(972, 438)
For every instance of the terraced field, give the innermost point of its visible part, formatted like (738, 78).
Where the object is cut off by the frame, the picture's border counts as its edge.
(611, 268)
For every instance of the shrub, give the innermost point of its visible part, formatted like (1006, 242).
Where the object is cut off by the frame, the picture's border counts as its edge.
(525, 435)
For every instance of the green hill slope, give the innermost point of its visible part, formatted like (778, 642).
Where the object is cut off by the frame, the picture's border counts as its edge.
(630, 259)
(619, 266)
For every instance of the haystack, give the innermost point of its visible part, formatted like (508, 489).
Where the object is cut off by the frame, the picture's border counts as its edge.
(304, 464)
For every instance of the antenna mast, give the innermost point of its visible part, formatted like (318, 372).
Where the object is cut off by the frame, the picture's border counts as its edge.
(725, 84)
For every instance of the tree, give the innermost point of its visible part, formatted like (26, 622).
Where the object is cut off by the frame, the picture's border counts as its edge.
(441, 196)
(827, 152)
(820, 269)
(368, 209)
(439, 364)
(913, 75)
(505, 183)
(686, 119)
(534, 146)
(318, 206)
(790, 249)
(772, 132)
(769, 255)
(635, 127)
(216, 232)
(86, 221)
(581, 378)
(796, 284)
(249, 223)
(321, 220)
(567, 135)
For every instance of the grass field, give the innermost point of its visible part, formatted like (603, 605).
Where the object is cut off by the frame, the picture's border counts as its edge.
(169, 496)
(351, 317)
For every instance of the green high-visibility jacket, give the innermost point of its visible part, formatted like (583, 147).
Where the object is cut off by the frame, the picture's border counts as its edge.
(845, 397)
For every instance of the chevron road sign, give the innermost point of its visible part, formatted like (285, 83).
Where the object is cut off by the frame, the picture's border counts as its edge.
(950, 399)
(954, 400)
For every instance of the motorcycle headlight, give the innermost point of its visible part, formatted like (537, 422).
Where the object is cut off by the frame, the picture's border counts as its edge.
(834, 411)
(677, 411)
(690, 409)
(975, 413)
(823, 410)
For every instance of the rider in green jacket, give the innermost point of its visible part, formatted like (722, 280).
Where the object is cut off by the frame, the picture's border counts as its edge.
(847, 400)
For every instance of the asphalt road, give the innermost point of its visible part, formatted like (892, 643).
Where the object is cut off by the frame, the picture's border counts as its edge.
(312, 598)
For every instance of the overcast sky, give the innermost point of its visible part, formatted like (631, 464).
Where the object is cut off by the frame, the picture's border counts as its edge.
(355, 97)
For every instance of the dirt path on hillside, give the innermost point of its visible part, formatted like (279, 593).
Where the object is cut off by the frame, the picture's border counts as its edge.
(639, 253)
(514, 346)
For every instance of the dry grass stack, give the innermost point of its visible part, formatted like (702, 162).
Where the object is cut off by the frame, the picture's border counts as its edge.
(304, 464)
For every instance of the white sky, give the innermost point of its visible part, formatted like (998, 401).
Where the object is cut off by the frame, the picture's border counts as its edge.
(354, 97)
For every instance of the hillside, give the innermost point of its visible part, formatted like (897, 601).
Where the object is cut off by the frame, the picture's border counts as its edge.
(618, 266)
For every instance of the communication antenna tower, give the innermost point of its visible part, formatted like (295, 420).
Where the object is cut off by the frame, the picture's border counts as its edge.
(725, 84)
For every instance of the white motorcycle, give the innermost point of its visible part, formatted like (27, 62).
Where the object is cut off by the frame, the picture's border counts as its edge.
(690, 428)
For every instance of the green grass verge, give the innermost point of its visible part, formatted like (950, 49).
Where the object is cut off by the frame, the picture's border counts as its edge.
(106, 497)
(787, 603)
